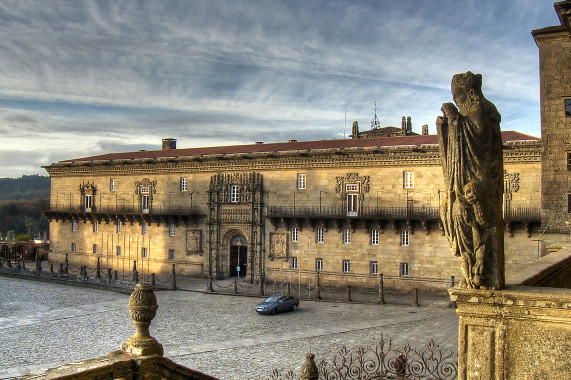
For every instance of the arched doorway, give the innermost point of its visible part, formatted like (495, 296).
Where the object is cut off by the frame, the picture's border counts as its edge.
(238, 255)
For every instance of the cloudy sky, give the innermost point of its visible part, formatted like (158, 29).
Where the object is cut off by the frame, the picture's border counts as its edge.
(79, 78)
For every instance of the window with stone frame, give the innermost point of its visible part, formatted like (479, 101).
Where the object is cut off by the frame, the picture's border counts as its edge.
(374, 266)
(183, 184)
(95, 226)
(293, 262)
(94, 248)
(403, 269)
(234, 193)
(569, 203)
(569, 161)
(294, 234)
(374, 237)
(118, 250)
(73, 225)
(320, 235)
(171, 229)
(346, 236)
(112, 184)
(171, 254)
(73, 247)
(144, 228)
(567, 107)
(143, 252)
(408, 179)
(301, 181)
(319, 264)
(352, 194)
(118, 227)
(346, 266)
(404, 241)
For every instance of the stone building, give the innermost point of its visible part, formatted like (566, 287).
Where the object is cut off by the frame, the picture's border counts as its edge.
(554, 43)
(350, 209)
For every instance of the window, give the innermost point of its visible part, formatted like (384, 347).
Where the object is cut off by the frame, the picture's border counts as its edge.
(118, 250)
(403, 270)
(301, 181)
(183, 184)
(346, 266)
(569, 203)
(118, 227)
(94, 248)
(144, 228)
(73, 247)
(346, 236)
(320, 235)
(294, 263)
(319, 264)
(375, 237)
(171, 229)
(73, 225)
(569, 161)
(95, 226)
(234, 193)
(374, 265)
(404, 237)
(408, 180)
(145, 191)
(112, 185)
(88, 203)
(171, 254)
(143, 252)
(568, 107)
(294, 234)
(352, 199)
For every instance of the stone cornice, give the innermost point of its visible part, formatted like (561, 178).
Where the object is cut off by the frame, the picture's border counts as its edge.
(421, 155)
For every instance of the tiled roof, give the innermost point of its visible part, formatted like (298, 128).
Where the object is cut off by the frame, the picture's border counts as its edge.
(289, 146)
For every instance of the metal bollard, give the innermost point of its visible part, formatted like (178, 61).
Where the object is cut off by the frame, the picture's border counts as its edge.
(288, 289)
(135, 277)
(416, 297)
(173, 283)
(349, 293)
(52, 268)
(98, 269)
(153, 279)
(262, 280)
(115, 274)
(61, 270)
(235, 287)
(452, 281)
(109, 273)
(66, 266)
(381, 290)
(317, 288)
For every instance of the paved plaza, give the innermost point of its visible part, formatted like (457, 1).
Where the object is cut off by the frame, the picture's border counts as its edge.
(45, 325)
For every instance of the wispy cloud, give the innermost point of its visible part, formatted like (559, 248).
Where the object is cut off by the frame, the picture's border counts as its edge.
(102, 76)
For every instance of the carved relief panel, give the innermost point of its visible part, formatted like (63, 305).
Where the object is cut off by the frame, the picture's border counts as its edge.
(194, 242)
(278, 246)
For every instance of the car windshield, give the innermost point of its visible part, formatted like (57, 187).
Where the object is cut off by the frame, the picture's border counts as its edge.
(273, 299)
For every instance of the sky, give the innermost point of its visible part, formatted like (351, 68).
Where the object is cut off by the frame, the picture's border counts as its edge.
(81, 78)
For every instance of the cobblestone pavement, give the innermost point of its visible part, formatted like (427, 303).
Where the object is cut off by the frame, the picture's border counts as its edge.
(45, 325)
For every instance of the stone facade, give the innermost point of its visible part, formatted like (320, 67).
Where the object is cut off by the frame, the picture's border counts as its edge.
(280, 211)
(554, 45)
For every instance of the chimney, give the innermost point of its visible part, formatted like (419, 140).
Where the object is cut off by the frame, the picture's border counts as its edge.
(408, 126)
(169, 144)
(259, 142)
(355, 130)
(425, 129)
(292, 141)
(403, 126)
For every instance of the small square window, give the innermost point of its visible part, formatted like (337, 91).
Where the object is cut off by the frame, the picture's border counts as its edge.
(375, 237)
(73, 225)
(171, 229)
(294, 263)
(346, 236)
(143, 252)
(73, 247)
(408, 180)
(234, 193)
(404, 238)
(403, 269)
(301, 181)
(320, 235)
(118, 227)
(118, 250)
(171, 254)
(112, 185)
(352, 187)
(183, 184)
(144, 228)
(374, 265)
(346, 266)
(94, 248)
(95, 226)
(294, 234)
(319, 264)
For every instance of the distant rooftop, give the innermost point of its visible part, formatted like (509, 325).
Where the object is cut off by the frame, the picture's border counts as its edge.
(293, 145)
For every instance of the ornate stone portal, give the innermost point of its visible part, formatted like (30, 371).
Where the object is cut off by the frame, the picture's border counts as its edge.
(471, 153)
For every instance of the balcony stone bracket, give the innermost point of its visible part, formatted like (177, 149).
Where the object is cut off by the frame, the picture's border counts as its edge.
(515, 333)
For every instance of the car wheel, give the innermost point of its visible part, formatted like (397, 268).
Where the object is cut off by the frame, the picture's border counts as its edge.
(274, 311)
(295, 306)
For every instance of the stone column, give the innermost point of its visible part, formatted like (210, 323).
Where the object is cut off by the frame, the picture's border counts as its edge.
(516, 333)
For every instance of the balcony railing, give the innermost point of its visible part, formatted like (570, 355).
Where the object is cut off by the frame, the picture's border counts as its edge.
(365, 212)
(127, 210)
(523, 214)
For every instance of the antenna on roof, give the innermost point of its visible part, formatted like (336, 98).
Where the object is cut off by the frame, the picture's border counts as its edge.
(375, 123)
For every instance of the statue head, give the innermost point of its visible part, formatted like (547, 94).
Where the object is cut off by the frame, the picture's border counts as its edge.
(466, 89)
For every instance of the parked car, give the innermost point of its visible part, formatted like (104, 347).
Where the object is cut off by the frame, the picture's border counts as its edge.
(277, 303)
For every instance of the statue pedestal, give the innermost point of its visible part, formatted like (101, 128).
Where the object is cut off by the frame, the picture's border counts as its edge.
(515, 333)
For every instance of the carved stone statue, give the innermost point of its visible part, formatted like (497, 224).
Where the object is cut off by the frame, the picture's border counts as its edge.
(472, 161)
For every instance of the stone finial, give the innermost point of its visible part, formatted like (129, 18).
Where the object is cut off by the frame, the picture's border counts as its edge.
(309, 369)
(142, 307)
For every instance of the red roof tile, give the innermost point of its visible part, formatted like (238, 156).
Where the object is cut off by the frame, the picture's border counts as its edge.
(289, 146)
